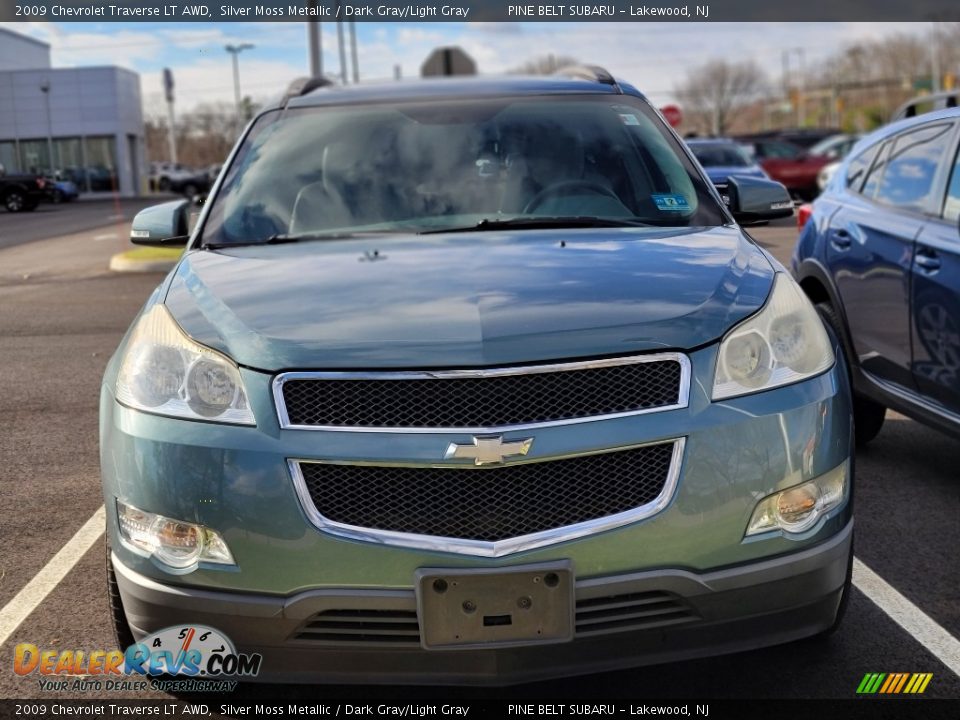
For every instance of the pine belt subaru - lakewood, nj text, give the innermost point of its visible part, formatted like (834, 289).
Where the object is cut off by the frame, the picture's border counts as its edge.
(475, 381)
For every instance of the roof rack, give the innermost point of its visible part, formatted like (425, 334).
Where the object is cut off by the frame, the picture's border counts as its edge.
(298, 87)
(937, 101)
(594, 73)
(305, 85)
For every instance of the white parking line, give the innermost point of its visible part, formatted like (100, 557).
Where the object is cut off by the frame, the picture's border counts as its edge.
(105, 236)
(938, 642)
(33, 593)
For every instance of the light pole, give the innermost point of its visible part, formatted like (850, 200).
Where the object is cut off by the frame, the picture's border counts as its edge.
(45, 89)
(235, 51)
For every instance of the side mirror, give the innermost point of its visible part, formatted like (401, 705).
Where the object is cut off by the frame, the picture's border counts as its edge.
(752, 199)
(166, 224)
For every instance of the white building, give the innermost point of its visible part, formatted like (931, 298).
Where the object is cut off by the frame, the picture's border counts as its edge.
(84, 123)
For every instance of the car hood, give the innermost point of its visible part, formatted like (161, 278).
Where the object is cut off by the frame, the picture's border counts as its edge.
(469, 299)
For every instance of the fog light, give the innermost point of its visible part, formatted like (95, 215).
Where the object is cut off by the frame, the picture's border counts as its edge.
(798, 508)
(176, 543)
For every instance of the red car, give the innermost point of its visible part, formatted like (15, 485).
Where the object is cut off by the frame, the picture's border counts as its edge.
(788, 164)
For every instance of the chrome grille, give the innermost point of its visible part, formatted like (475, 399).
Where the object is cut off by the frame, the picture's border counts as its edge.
(482, 399)
(491, 504)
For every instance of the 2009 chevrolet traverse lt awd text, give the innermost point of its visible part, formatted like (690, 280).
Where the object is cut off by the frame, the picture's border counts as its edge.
(475, 381)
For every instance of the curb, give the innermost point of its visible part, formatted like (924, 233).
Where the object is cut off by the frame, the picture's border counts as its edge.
(119, 263)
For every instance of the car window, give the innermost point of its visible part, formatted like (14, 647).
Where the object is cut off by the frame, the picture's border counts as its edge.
(876, 170)
(951, 207)
(909, 171)
(416, 167)
(858, 166)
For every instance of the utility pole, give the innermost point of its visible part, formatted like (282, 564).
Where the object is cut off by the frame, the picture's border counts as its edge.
(316, 48)
(342, 49)
(801, 89)
(353, 52)
(235, 51)
(171, 131)
(935, 60)
(315, 44)
(45, 89)
(801, 100)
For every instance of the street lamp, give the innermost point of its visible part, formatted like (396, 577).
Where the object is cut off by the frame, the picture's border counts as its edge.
(235, 51)
(45, 89)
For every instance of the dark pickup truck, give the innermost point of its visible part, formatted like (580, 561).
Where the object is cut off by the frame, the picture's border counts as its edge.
(20, 193)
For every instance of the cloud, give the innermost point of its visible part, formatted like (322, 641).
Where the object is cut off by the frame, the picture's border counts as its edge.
(656, 57)
(210, 80)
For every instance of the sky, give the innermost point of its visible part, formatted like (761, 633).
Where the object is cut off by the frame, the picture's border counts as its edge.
(655, 57)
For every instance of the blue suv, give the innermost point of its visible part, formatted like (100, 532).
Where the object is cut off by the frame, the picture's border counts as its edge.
(880, 256)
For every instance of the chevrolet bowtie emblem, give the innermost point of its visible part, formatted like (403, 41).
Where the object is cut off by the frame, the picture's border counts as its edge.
(489, 449)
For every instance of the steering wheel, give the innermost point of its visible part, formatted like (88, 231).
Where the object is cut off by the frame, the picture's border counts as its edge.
(563, 187)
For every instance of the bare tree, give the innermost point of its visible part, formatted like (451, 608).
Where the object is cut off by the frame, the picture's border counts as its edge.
(545, 65)
(714, 92)
(205, 134)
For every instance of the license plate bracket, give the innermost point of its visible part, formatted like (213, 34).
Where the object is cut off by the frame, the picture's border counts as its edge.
(495, 607)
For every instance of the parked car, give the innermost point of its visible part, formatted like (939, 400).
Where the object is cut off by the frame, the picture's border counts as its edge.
(836, 148)
(177, 178)
(474, 380)
(803, 137)
(880, 255)
(22, 192)
(722, 157)
(788, 163)
(59, 191)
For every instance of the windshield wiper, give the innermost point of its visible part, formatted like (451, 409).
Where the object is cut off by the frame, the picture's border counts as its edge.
(540, 223)
(281, 239)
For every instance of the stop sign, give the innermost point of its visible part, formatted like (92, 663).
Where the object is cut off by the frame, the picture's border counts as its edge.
(448, 61)
(672, 114)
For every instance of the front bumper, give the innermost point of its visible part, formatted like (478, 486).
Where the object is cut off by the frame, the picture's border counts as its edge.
(713, 590)
(729, 610)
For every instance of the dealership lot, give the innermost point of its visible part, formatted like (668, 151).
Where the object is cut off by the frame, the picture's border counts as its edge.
(61, 315)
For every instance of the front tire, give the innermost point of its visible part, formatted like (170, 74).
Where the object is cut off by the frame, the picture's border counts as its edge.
(15, 201)
(868, 415)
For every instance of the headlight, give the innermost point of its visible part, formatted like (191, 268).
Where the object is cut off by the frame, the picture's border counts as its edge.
(797, 509)
(167, 373)
(175, 543)
(783, 343)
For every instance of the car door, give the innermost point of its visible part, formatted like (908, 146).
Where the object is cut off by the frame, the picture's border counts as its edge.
(936, 300)
(870, 246)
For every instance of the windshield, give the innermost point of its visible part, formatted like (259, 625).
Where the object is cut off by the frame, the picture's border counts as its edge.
(426, 167)
(721, 155)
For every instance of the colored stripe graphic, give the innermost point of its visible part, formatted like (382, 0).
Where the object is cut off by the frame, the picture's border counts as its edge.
(894, 683)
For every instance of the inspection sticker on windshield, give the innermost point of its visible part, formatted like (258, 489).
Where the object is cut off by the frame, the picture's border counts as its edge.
(675, 203)
(629, 119)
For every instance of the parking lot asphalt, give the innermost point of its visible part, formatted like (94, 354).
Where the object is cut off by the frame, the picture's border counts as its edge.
(61, 316)
(50, 220)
